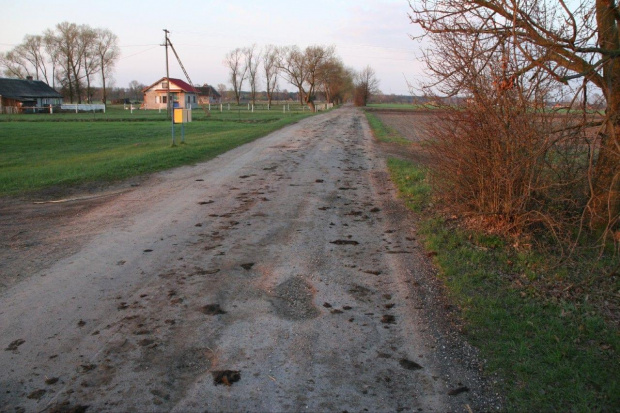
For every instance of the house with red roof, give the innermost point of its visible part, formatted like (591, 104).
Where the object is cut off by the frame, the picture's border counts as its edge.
(182, 94)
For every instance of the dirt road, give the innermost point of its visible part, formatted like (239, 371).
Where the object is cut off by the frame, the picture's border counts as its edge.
(288, 260)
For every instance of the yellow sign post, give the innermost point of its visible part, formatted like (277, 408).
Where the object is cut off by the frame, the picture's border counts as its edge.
(181, 116)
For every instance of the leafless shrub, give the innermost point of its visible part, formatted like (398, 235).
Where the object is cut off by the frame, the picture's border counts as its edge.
(509, 153)
(506, 156)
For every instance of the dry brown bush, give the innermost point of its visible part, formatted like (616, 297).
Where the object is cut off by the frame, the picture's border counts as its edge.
(506, 158)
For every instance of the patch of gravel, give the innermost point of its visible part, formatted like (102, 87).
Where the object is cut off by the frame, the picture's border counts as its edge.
(293, 300)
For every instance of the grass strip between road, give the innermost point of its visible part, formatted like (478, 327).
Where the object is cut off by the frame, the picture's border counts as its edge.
(547, 354)
(40, 155)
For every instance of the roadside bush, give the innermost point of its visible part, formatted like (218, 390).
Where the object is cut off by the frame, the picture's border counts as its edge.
(515, 166)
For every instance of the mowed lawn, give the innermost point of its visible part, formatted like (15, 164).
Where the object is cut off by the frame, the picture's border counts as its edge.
(41, 154)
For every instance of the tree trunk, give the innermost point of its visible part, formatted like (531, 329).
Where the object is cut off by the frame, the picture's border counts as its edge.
(605, 205)
(301, 96)
(78, 92)
(105, 93)
(69, 80)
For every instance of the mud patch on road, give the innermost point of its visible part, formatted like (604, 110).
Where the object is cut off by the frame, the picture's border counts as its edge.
(360, 292)
(212, 309)
(226, 377)
(36, 395)
(409, 365)
(458, 391)
(388, 319)
(293, 300)
(344, 242)
(15, 344)
(66, 407)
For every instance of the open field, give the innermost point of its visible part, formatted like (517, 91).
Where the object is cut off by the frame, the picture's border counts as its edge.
(551, 338)
(230, 111)
(409, 125)
(40, 153)
(395, 106)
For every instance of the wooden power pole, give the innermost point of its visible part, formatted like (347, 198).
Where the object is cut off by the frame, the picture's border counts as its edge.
(168, 102)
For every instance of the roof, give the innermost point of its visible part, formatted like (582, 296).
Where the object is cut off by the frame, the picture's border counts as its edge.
(21, 89)
(208, 91)
(186, 87)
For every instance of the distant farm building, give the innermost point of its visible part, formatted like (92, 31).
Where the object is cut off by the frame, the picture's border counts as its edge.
(208, 95)
(182, 94)
(23, 95)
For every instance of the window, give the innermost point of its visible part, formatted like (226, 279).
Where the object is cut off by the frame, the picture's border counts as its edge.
(164, 99)
(164, 85)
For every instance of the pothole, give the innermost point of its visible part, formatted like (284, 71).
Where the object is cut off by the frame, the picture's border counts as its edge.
(293, 300)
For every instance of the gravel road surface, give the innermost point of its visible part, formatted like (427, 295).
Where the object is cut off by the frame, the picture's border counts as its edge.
(283, 275)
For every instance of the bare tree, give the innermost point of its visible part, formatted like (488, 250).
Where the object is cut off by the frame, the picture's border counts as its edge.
(270, 59)
(26, 59)
(569, 41)
(107, 52)
(14, 65)
(53, 55)
(303, 69)
(316, 57)
(222, 90)
(90, 58)
(69, 54)
(71, 44)
(252, 59)
(366, 85)
(135, 90)
(291, 66)
(63, 41)
(335, 81)
(238, 70)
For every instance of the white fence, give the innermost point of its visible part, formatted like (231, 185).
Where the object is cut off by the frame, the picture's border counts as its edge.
(323, 106)
(83, 107)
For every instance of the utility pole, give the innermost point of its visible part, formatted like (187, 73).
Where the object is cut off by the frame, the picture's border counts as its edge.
(168, 103)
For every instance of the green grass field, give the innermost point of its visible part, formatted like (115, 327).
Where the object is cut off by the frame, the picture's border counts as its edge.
(42, 150)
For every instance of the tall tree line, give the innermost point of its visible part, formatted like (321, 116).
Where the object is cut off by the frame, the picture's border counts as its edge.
(70, 56)
(315, 69)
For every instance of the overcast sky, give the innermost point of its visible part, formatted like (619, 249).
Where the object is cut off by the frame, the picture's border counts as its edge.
(365, 32)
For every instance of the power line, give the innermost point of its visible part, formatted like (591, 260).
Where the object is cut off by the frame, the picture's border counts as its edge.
(138, 45)
(135, 54)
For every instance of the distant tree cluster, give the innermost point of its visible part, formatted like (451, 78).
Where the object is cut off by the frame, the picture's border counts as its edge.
(72, 55)
(366, 85)
(312, 71)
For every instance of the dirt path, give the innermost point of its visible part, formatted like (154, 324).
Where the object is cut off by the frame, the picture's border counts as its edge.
(287, 260)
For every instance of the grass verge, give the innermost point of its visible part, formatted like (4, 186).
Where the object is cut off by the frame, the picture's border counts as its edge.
(383, 132)
(39, 155)
(553, 354)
